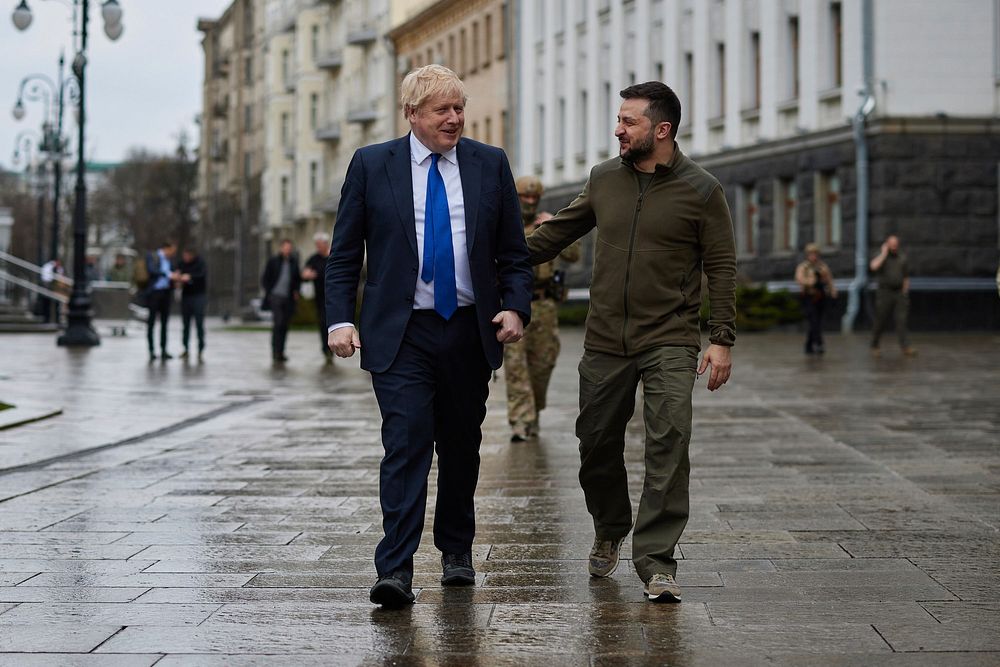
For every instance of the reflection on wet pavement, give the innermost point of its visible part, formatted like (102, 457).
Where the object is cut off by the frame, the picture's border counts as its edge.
(843, 511)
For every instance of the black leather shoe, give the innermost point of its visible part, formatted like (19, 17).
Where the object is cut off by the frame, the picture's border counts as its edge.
(392, 592)
(458, 570)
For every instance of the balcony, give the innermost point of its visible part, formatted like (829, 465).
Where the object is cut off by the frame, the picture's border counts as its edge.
(220, 109)
(329, 132)
(362, 114)
(362, 35)
(219, 151)
(330, 60)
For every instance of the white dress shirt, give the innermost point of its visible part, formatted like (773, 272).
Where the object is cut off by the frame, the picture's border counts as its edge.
(420, 165)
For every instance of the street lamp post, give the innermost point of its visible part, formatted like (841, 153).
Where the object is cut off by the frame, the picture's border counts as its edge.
(79, 331)
(25, 145)
(40, 87)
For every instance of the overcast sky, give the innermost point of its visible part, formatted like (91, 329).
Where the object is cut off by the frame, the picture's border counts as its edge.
(141, 90)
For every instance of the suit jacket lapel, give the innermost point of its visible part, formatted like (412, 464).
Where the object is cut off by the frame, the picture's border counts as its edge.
(471, 169)
(401, 184)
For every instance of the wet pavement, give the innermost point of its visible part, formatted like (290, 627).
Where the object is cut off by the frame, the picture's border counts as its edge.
(844, 511)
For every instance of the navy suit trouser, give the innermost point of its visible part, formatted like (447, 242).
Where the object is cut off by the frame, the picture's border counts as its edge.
(432, 396)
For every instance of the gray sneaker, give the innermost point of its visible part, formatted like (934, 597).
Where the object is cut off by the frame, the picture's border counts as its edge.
(662, 588)
(604, 557)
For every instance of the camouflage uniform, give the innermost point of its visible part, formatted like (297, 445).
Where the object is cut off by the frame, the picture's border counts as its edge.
(528, 363)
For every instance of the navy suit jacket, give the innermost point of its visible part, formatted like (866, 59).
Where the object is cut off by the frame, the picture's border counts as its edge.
(376, 214)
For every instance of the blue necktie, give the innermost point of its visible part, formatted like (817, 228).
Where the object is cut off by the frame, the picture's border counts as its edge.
(439, 257)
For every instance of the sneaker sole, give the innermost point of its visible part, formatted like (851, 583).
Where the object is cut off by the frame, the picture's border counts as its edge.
(607, 574)
(390, 597)
(665, 596)
(458, 580)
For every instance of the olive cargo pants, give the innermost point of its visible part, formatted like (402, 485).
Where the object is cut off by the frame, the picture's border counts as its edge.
(607, 402)
(894, 304)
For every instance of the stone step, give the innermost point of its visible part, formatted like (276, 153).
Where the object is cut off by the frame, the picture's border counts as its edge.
(28, 327)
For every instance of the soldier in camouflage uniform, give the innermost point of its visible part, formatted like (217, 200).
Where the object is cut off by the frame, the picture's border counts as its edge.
(528, 363)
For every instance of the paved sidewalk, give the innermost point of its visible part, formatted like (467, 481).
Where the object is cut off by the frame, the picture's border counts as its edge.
(844, 511)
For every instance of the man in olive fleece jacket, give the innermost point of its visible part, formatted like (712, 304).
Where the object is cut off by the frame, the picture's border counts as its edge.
(661, 221)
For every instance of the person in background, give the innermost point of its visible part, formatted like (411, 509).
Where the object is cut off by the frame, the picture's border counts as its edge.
(192, 276)
(159, 266)
(281, 282)
(119, 271)
(315, 270)
(816, 287)
(529, 362)
(893, 296)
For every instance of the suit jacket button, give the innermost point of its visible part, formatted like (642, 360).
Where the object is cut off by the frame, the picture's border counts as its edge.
(409, 299)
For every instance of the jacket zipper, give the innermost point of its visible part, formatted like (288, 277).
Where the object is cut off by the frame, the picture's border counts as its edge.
(631, 250)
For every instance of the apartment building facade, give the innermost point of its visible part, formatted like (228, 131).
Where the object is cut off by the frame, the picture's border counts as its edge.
(769, 88)
(231, 235)
(472, 38)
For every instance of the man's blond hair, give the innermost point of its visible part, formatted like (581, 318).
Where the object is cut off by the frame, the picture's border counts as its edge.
(429, 81)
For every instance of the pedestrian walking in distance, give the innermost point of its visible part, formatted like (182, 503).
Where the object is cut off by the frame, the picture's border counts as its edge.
(315, 271)
(281, 282)
(815, 289)
(892, 299)
(448, 284)
(159, 294)
(528, 363)
(192, 275)
(661, 222)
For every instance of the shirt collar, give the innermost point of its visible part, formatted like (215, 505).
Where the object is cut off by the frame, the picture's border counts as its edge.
(419, 152)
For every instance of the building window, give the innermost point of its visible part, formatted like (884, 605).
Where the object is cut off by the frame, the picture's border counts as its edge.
(828, 221)
(248, 71)
(606, 108)
(247, 166)
(836, 44)
(247, 118)
(502, 30)
(583, 124)
(285, 130)
(688, 89)
(474, 65)
(475, 131)
(313, 177)
(560, 152)
(786, 215)
(540, 135)
(488, 131)
(755, 70)
(314, 111)
(720, 83)
(451, 52)
(488, 29)
(285, 67)
(463, 51)
(659, 70)
(314, 42)
(793, 57)
(284, 192)
(747, 220)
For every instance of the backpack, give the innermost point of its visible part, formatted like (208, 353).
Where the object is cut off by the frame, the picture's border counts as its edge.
(140, 274)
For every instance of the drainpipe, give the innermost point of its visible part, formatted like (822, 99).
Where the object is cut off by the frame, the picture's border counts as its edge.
(857, 288)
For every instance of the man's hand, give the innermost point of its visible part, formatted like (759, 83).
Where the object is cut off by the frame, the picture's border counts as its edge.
(541, 218)
(720, 358)
(511, 328)
(344, 341)
(308, 274)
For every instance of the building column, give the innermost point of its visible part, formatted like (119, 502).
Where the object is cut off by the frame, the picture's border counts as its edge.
(771, 69)
(549, 91)
(702, 78)
(736, 67)
(810, 64)
(643, 65)
(525, 117)
(596, 122)
(571, 88)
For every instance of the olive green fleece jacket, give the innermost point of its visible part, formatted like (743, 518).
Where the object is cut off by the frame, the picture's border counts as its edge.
(650, 251)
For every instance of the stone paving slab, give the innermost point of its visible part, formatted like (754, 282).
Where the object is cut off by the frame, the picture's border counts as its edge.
(844, 512)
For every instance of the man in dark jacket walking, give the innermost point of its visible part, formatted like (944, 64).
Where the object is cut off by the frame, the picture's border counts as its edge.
(159, 294)
(281, 282)
(193, 279)
(661, 222)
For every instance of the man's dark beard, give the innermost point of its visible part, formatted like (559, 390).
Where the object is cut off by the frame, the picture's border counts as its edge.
(640, 151)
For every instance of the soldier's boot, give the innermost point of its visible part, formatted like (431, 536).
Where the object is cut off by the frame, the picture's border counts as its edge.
(519, 432)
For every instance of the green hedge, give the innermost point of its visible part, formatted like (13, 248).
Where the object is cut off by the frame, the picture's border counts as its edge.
(757, 309)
